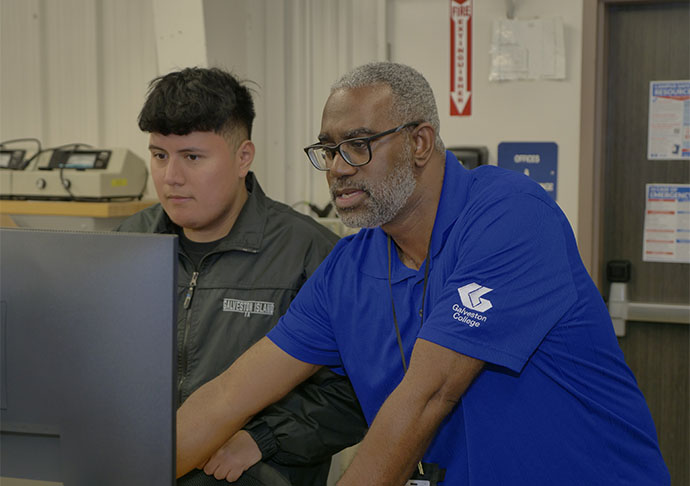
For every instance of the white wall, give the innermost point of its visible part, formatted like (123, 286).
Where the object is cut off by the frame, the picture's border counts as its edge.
(293, 50)
(77, 71)
(516, 111)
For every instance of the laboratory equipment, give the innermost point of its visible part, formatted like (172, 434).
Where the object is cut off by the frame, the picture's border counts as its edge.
(81, 174)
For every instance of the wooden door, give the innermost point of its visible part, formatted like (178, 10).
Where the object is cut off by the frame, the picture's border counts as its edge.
(646, 42)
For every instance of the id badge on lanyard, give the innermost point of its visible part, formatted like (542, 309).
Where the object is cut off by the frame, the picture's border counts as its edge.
(431, 476)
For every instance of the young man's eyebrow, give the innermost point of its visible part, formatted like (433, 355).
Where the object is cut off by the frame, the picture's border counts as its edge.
(192, 149)
(182, 150)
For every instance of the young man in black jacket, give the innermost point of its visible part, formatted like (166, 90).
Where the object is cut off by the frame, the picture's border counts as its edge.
(242, 259)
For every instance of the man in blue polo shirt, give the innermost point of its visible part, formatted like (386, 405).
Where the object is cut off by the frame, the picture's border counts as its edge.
(478, 346)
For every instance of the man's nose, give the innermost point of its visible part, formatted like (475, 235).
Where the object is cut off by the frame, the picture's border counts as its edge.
(340, 167)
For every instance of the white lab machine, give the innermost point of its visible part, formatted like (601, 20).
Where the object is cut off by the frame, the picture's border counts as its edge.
(10, 161)
(78, 174)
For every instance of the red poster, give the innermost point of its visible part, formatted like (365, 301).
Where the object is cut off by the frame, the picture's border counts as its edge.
(460, 57)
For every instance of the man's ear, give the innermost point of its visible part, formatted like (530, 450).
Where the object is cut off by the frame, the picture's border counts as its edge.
(245, 156)
(424, 138)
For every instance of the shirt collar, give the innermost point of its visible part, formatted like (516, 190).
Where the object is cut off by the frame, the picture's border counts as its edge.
(456, 182)
(456, 185)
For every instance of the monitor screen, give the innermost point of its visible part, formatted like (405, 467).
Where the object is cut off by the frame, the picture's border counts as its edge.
(87, 347)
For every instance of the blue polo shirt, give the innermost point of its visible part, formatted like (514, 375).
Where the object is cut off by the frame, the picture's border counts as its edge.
(555, 403)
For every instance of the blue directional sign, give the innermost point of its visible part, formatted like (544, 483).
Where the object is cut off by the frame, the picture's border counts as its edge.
(538, 160)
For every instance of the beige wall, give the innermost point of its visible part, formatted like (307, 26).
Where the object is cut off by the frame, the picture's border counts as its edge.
(516, 111)
(77, 71)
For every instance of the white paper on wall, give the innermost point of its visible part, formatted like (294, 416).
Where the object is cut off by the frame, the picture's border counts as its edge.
(667, 223)
(527, 49)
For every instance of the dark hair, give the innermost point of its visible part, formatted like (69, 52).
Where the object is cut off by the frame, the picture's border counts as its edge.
(197, 100)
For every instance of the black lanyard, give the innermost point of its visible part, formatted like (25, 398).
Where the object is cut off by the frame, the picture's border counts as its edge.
(421, 313)
(390, 286)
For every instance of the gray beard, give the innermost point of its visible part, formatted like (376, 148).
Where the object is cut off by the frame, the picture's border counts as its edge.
(386, 197)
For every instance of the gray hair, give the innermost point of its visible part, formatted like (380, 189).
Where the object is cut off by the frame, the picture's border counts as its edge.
(413, 99)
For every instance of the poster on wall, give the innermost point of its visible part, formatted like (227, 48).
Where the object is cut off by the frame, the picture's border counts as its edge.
(527, 49)
(538, 160)
(667, 223)
(460, 57)
(669, 120)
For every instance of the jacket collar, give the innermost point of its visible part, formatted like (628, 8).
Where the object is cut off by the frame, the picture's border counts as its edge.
(248, 231)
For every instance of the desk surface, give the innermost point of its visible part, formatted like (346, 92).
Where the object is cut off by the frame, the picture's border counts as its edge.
(74, 208)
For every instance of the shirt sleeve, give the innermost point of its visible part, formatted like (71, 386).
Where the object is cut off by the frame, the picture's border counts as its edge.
(509, 282)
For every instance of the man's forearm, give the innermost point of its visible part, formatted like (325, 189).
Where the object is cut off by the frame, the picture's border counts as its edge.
(394, 444)
(409, 418)
(213, 413)
(204, 423)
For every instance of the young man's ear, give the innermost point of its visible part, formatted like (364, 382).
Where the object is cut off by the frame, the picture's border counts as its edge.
(245, 156)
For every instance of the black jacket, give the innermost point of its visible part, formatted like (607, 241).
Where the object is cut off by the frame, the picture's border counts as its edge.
(233, 299)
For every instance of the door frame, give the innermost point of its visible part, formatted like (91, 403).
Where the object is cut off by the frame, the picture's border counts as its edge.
(592, 124)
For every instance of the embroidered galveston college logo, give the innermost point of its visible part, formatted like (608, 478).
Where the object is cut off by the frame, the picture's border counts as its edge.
(474, 304)
(471, 297)
(248, 307)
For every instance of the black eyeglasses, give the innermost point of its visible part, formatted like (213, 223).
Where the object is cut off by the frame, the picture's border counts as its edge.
(355, 151)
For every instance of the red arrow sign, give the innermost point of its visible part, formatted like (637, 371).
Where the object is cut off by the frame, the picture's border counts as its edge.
(460, 57)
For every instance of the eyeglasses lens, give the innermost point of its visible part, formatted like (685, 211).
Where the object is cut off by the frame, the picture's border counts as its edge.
(321, 157)
(355, 152)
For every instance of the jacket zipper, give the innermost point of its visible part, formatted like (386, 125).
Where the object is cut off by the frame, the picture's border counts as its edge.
(184, 358)
(190, 290)
(187, 326)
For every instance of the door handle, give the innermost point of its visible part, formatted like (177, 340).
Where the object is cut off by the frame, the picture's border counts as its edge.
(622, 310)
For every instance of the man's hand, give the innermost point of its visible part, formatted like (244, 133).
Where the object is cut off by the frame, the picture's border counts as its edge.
(220, 407)
(234, 457)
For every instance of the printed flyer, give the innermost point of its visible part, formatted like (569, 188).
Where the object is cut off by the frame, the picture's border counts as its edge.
(667, 223)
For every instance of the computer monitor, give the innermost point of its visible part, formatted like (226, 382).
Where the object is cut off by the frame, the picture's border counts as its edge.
(87, 367)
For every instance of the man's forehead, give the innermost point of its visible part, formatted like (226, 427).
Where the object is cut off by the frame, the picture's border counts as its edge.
(355, 112)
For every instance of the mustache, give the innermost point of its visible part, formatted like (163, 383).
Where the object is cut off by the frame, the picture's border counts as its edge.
(346, 183)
